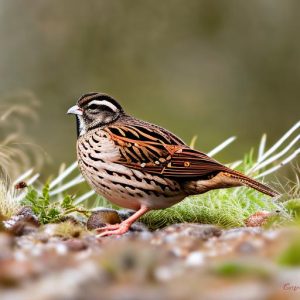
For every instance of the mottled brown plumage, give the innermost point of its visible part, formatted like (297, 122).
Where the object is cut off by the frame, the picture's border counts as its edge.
(139, 165)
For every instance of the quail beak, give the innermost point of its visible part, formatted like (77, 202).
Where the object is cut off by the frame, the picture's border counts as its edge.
(75, 110)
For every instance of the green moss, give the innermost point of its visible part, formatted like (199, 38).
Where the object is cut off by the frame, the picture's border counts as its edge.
(226, 208)
(293, 207)
(238, 269)
(290, 257)
(68, 229)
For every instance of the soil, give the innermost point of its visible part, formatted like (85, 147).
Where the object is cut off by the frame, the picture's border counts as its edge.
(181, 261)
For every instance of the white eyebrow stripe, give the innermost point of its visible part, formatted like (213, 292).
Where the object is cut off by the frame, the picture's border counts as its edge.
(104, 102)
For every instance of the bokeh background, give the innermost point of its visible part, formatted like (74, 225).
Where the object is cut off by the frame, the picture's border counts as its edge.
(207, 68)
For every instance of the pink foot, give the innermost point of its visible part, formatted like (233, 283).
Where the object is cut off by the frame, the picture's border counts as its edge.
(119, 229)
(108, 227)
(116, 229)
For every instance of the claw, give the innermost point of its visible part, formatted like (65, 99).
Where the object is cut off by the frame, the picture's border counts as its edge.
(108, 227)
(116, 229)
(119, 229)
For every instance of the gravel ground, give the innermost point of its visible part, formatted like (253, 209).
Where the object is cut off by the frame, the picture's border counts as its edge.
(182, 261)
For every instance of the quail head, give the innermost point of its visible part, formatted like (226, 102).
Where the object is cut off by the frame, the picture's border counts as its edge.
(141, 166)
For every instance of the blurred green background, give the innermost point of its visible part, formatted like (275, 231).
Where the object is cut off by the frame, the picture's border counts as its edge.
(211, 68)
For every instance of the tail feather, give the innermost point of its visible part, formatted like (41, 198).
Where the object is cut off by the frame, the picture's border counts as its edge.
(245, 180)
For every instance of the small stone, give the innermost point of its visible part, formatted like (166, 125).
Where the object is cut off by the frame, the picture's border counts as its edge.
(177, 251)
(42, 237)
(101, 218)
(14, 272)
(145, 235)
(232, 234)
(195, 259)
(163, 274)
(138, 227)
(201, 231)
(76, 244)
(271, 235)
(6, 244)
(61, 249)
(23, 228)
(28, 215)
(23, 223)
(258, 219)
(125, 213)
(246, 247)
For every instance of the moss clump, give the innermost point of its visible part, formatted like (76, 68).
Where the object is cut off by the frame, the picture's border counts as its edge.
(290, 257)
(68, 229)
(238, 269)
(293, 207)
(226, 208)
(8, 202)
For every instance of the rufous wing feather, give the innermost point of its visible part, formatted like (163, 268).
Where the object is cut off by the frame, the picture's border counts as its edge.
(164, 154)
(158, 156)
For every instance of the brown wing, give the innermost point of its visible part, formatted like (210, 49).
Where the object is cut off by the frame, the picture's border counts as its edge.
(157, 151)
(186, 162)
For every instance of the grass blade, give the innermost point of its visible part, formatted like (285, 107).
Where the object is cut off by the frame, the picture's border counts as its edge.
(283, 163)
(63, 175)
(84, 197)
(23, 176)
(68, 185)
(262, 147)
(221, 146)
(281, 140)
(276, 156)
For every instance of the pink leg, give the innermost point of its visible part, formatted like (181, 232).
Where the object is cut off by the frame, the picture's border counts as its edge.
(108, 227)
(118, 229)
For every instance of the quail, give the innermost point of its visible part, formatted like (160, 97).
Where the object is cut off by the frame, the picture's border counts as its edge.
(141, 166)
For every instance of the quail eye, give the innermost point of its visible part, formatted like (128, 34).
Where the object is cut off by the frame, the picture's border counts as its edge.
(93, 106)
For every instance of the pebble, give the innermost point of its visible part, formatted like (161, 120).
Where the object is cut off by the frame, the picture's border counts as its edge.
(163, 273)
(177, 259)
(75, 244)
(199, 231)
(271, 234)
(61, 249)
(195, 259)
(239, 232)
(23, 223)
(139, 227)
(246, 247)
(102, 217)
(6, 244)
(258, 219)
(125, 213)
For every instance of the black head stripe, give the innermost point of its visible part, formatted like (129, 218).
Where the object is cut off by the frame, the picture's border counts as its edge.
(85, 99)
